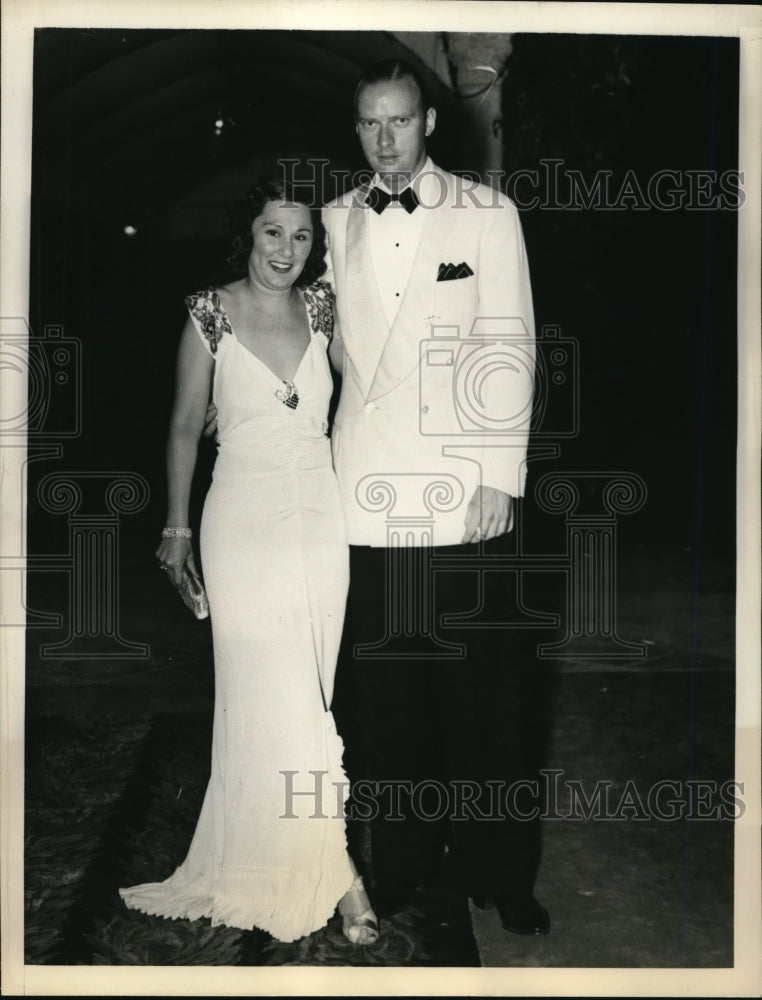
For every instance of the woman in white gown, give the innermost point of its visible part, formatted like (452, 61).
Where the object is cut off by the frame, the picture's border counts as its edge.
(275, 564)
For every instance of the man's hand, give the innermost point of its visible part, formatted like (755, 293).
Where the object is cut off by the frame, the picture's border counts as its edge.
(210, 421)
(489, 514)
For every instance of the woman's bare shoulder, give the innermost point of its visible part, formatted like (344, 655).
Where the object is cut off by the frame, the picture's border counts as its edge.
(233, 291)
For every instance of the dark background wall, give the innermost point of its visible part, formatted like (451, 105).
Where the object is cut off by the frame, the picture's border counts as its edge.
(125, 135)
(648, 293)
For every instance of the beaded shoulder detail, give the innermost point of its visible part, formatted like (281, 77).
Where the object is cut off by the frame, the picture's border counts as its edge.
(212, 318)
(320, 298)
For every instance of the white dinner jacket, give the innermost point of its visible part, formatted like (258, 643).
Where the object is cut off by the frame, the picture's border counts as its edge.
(440, 402)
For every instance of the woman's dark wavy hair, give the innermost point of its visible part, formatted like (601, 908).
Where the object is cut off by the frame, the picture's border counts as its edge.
(246, 211)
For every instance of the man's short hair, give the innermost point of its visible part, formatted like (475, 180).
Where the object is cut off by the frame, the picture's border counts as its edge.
(392, 70)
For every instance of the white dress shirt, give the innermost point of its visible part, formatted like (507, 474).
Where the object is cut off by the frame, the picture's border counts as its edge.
(394, 237)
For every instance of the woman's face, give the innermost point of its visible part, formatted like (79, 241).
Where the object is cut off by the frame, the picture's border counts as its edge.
(282, 240)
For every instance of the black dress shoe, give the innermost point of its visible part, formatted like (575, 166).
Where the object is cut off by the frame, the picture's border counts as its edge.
(390, 898)
(520, 913)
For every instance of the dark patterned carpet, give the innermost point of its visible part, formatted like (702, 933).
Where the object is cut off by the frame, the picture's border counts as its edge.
(118, 757)
(112, 802)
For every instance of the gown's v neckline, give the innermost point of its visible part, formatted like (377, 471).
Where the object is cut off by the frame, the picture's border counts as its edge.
(257, 358)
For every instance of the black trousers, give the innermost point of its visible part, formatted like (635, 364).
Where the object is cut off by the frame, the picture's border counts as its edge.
(438, 747)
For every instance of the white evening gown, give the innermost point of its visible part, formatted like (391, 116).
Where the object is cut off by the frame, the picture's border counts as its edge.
(275, 564)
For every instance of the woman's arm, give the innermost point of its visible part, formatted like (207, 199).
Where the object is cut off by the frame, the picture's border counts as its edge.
(193, 382)
(336, 347)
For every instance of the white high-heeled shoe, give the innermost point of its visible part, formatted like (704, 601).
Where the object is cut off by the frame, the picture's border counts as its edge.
(358, 921)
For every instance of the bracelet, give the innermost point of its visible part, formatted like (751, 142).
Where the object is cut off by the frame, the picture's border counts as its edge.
(176, 533)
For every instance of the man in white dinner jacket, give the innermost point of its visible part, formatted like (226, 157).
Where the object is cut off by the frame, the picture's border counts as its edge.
(435, 338)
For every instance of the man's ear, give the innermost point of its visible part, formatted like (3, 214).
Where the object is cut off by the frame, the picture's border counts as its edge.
(431, 120)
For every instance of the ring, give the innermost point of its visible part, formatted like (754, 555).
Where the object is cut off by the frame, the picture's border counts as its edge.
(163, 566)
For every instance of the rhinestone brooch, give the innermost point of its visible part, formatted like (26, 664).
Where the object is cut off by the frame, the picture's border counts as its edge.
(289, 395)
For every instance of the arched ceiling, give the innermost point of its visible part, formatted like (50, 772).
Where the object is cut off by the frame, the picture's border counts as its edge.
(124, 123)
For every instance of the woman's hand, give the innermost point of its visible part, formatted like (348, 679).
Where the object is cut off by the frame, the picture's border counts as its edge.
(210, 421)
(173, 554)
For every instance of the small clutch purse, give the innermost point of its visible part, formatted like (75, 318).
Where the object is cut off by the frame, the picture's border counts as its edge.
(191, 590)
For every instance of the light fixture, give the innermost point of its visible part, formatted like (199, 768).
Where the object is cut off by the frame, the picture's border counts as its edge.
(221, 121)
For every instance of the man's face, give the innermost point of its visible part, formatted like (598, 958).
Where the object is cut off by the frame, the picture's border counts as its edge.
(392, 128)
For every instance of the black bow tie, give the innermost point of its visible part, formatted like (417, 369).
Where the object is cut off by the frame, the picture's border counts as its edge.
(379, 199)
